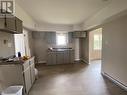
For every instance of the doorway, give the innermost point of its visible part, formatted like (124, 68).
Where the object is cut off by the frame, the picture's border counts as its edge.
(95, 45)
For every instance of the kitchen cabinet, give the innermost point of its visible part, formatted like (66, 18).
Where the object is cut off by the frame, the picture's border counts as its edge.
(71, 56)
(27, 77)
(60, 57)
(51, 37)
(11, 24)
(19, 25)
(70, 37)
(21, 73)
(32, 71)
(51, 58)
(79, 34)
(2, 23)
(66, 57)
(29, 73)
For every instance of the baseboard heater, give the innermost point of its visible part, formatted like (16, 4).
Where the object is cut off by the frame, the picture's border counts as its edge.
(115, 81)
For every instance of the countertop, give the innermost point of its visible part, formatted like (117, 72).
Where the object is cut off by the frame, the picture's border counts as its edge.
(60, 50)
(12, 62)
(20, 62)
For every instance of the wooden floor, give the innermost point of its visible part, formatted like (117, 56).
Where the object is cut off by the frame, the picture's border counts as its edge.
(74, 79)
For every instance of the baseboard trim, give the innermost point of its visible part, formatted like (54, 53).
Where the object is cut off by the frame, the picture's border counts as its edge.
(41, 62)
(115, 81)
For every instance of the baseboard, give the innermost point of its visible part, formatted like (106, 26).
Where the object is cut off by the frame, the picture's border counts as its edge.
(115, 81)
(41, 62)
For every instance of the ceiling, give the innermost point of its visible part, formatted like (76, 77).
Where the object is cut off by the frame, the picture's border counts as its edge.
(62, 11)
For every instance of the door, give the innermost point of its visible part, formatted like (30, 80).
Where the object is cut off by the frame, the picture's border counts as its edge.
(60, 57)
(71, 54)
(27, 77)
(32, 71)
(66, 57)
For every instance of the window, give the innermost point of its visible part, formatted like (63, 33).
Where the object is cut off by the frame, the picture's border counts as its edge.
(19, 44)
(61, 39)
(97, 42)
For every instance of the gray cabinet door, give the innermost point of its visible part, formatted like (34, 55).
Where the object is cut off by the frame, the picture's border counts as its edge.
(51, 37)
(79, 34)
(70, 37)
(32, 71)
(66, 57)
(27, 78)
(83, 34)
(51, 58)
(2, 23)
(60, 57)
(19, 26)
(32, 67)
(71, 56)
(10, 24)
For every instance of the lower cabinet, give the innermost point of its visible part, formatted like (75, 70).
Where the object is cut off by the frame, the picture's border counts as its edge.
(71, 56)
(66, 57)
(51, 58)
(60, 57)
(27, 79)
(29, 74)
(18, 74)
(32, 71)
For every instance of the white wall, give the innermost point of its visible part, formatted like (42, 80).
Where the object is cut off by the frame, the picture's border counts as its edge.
(28, 21)
(114, 52)
(6, 48)
(115, 7)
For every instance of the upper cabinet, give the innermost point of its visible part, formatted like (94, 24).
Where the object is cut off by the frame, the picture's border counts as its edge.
(19, 25)
(11, 24)
(79, 34)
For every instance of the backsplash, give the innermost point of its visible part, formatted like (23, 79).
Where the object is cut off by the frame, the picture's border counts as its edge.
(7, 47)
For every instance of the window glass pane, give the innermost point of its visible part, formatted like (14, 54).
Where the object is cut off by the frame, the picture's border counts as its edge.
(97, 42)
(61, 39)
